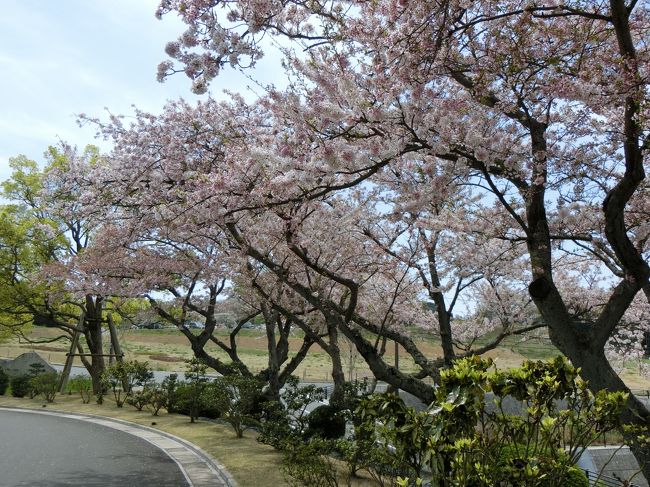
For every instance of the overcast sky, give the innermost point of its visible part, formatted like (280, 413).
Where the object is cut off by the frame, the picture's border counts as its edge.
(60, 58)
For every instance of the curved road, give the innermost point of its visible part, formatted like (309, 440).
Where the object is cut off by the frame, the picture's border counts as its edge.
(49, 451)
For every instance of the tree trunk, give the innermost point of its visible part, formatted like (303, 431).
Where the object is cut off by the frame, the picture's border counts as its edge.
(338, 374)
(596, 369)
(93, 334)
(444, 319)
(273, 361)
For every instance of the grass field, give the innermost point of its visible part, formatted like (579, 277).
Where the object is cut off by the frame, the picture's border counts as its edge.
(168, 349)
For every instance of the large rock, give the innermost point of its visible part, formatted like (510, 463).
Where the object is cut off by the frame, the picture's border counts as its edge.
(21, 364)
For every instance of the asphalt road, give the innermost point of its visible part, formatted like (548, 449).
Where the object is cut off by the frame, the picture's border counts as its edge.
(47, 451)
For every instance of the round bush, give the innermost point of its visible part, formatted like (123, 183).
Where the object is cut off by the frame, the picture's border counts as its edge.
(207, 407)
(326, 422)
(184, 397)
(576, 478)
(4, 382)
(20, 385)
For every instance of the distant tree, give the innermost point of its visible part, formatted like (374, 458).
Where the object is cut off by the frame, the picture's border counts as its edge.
(40, 230)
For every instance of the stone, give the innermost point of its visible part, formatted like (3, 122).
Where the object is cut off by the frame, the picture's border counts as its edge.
(21, 364)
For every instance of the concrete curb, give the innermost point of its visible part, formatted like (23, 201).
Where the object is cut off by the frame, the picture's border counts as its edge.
(199, 468)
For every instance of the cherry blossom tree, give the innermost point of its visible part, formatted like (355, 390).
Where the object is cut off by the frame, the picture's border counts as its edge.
(187, 272)
(307, 258)
(533, 114)
(545, 103)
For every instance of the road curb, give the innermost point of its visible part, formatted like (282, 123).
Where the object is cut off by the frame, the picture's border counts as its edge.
(199, 467)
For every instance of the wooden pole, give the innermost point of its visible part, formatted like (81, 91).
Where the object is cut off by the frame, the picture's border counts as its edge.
(397, 355)
(65, 375)
(115, 343)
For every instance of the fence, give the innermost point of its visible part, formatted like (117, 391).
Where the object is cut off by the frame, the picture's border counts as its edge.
(605, 481)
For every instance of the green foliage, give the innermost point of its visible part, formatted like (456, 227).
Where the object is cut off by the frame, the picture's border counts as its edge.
(296, 398)
(4, 382)
(309, 464)
(20, 386)
(458, 442)
(289, 418)
(276, 428)
(122, 377)
(526, 465)
(208, 407)
(83, 385)
(35, 369)
(385, 420)
(540, 382)
(46, 384)
(187, 401)
(236, 398)
(34, 232)
(28, 240)
(152, 395)
(195, 402)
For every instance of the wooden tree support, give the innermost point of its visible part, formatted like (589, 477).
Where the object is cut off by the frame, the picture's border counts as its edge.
(65, 375)
(115, 343)
(116, 351)
(94, 355)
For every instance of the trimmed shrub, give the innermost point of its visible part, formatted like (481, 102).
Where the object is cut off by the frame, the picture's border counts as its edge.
(309, 464)
(46, 384)
(576, 478)
(169, 386)
(4, 382)
(139, 399)
(326, 422)
(20, 385)
(237, 399)
(208, 408)
(195, 403)
(158, 399)
(83, 385)
(189, 395)
(276, 429)
(122, 377)
(288, 419)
